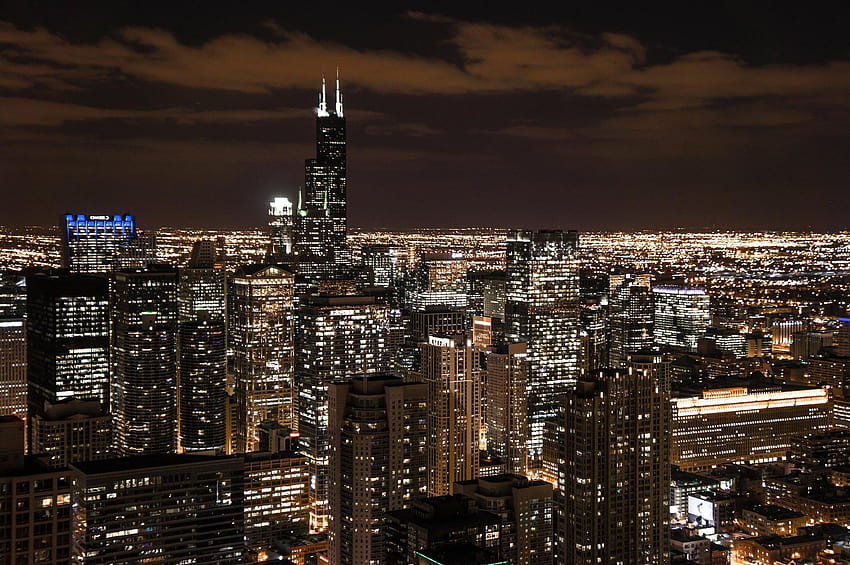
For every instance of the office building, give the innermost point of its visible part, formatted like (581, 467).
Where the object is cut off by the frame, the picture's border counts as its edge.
(159, 508)
(13, 294)
(35, 503)
(593, 316)
(383, 263)
(743, 425)
(440, 283)
(202, 385)
(681, 318)
(71, 430)
(281, 228)
(441, 523)
(277, 497)
(13, 367)
(336, 337)
(507, 406)
(102, 243)
(261, 313)
(630, 314)
(452, 372)
(377, 461)
(67, 338)
(526, 508)
(322, 215)
(615, 470)
(542, 309)
(202, 287)
(143, 334)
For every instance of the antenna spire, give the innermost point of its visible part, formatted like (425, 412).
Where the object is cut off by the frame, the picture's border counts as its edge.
(338, 95)
(323, 100)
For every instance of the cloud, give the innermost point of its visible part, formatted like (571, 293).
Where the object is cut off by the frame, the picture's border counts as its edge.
(31, 112)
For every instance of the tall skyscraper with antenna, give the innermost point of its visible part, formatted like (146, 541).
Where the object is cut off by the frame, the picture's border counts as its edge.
(322, 217)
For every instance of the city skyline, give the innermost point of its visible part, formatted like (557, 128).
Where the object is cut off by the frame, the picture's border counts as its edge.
(733, 119)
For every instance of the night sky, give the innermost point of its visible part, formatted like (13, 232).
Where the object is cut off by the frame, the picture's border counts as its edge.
(590, 117)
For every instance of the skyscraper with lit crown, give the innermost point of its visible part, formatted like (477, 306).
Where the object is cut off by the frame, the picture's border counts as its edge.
(322, 216)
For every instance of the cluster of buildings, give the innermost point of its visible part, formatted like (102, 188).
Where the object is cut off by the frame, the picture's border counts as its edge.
(379, 405)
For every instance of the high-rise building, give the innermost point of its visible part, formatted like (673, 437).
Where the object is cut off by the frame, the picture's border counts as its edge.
(630, 315)
(336, 337)
(527, 511)
(35, 503)
(440, 524)
(440, 282)
(452, 372)
(261, 310)
(681, 318)
(71, 430)
(594, 328)
(202, 385)
(507, 406)
(67, 339)
(281, 228)
(322, 215)
(143, 334)
(542, 309)
(277, 497)
(13, 367)
(159, 508)
(745, 425)
(202, 287)
(615, 470)
(99, 244)
(382, 263)
(13, 294)
(377, 461)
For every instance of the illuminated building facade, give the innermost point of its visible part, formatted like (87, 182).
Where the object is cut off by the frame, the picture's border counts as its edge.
(526, 508)
(377, 461)
(507, 407)
(13, 367)
(383, 264)
(158, 508)
(202, 384)
(202, 285)
(336, 337)
(72, 430)
(615, 470)
(594, 333)
(143, 333)
(322, 215)
(67, 338)
(99, 244)
(452, 372)
(281, 227)
(276, 499)
(35, 504)
(440, 282)
(630, 314)
(737, 425)
(542, 309)
(681, 318)
(261, 310)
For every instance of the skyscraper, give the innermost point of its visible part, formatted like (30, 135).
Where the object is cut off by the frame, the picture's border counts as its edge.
(542, 309)
(452, 371)
(281, 228)
(377, 461)
(336, 337)
(202, 382)
(630, 314)
(102, 243)
(322, 220)
(507, 406)
(682, 316)
(202, 287)
(143, 333)
(67, 338)
(261, 305)
(13, 367)
(614, 474)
